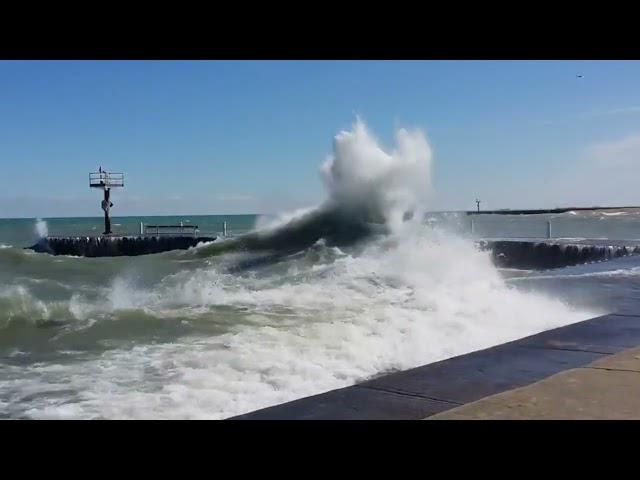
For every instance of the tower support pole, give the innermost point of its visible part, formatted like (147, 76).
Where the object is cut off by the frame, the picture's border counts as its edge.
(106, 205)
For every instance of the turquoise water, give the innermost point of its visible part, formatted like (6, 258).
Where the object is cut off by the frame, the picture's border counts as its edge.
(213, 332)
(622, 225)
(21, 232)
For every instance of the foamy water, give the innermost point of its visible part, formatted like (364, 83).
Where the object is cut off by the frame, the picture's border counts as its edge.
(41, 228)
(227, 328)
(306, 327)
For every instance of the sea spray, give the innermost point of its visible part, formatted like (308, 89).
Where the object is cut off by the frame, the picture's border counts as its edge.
(354, 290)
(369, 191)
(41, 228)
(319, 320)
(375, 185)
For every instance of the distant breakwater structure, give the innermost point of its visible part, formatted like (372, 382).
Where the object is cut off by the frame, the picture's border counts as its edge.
(544, 211)
(539, 254)
(163, 238)
(113, 246)
(548, 254)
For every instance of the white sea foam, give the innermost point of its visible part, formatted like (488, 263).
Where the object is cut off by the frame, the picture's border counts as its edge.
(317, 320)
(41, 228)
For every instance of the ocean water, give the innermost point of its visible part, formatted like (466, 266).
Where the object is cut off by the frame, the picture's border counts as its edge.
(288, 306)
(21, 232)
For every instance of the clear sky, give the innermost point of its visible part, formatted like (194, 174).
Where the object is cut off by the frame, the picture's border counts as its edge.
(249, 137)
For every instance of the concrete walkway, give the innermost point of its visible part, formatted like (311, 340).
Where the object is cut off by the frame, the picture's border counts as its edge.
(491, 374)
(607, 389)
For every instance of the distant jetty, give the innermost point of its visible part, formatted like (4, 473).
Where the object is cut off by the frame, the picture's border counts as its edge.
(152, 238)
(115, 246)
(541, 254)
(543, 211)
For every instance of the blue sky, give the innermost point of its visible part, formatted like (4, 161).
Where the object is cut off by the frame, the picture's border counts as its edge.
(249, 137)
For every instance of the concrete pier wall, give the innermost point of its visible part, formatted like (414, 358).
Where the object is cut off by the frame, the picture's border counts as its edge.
(115, 246)
(532, 254)
(430, 389)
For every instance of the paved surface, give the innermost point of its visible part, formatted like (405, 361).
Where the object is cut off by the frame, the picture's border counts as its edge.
(435, 388)
(607, 389)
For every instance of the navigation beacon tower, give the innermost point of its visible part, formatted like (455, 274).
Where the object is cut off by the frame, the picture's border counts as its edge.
(106, 181)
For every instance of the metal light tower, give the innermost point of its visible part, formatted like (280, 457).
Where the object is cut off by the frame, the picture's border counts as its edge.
(478, 204)
(106, 181)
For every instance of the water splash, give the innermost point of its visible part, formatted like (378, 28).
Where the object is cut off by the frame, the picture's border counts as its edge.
(41, 228)
(369, 191)
(320, 317)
